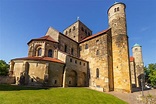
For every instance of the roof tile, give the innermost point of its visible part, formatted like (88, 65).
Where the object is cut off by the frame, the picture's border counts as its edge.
(48, 38)
(95, 35)
(40, 59)
(131, 59)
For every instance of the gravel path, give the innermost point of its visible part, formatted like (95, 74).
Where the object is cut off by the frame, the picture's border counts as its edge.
(135, 97)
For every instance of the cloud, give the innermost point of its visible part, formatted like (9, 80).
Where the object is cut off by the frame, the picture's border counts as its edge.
(143, 29)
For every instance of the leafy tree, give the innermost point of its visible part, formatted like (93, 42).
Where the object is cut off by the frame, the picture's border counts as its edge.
(4, 68)
(147, 71)
(151, 74)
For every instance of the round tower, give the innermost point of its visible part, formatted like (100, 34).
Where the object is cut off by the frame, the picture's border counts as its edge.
(120, 49)
(139, 65)
(117, 19)
(137, 54)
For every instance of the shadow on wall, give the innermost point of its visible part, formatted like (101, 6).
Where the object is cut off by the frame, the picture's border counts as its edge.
(32, 81)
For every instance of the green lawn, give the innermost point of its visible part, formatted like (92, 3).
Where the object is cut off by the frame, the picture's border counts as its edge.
(23, 95)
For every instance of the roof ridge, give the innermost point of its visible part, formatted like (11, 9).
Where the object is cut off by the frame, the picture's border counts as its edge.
(40, 58)
(94, 35)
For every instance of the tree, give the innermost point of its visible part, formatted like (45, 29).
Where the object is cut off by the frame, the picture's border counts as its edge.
(4, 68)
(151, 74)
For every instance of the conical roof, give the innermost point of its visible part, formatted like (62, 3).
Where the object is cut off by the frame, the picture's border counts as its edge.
(136, 45)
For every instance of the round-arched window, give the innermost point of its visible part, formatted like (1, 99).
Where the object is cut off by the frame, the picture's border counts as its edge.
(39, 51)
(50, 53)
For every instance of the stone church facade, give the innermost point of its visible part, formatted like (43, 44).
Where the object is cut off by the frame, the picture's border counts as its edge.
(76, 58)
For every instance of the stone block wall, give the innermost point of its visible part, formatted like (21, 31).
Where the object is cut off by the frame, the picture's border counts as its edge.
(55, 74)
(97, 56)
(7, 80)
(69, 44)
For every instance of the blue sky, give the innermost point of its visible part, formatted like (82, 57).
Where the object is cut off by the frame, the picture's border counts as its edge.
(22, 20)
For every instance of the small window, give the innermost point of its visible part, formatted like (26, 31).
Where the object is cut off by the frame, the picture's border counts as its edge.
(97, 73)
(80, 63)
(69, 82)
(65, 48)
(97, 52)
(136, 49)
(32, 80)
(82, 28)
(117, 8)
(69, 30)
(85, 31)
(50, 53)
(86, 46)
(75, 61)
(73, 28)
(97, 41)
(39, 51)
(72, 51)
(88, 33)
(83, 64)
(114, 9)
(71, 60)
(74, 36)
(55, 82)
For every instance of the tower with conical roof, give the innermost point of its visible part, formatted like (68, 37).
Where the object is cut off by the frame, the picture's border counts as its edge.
(120, 50)
(138, 59)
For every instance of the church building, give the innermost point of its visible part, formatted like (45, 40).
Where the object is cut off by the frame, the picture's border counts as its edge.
(78, 58)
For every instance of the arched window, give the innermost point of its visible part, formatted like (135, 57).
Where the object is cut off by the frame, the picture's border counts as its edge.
(136, 49)
(117, 8)
(97, 52)
(71, 60)
(69, 30)
(114, 9)
(39, 52)
(75, 61)
(86, 46)
(72, 51)
(50, 53)
(73, 28)
(88, 33)
(82, 28)
(97, 73)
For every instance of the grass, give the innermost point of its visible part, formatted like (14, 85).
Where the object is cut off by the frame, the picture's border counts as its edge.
(24, 95)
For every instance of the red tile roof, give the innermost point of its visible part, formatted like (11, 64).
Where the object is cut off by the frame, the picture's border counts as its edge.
(48, 38)
(95, 35)
(131, 59)
(40, 59)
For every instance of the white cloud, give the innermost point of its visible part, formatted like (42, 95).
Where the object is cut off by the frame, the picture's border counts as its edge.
(143, 29)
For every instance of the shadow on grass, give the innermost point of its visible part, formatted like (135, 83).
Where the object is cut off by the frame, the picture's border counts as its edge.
(6, 87)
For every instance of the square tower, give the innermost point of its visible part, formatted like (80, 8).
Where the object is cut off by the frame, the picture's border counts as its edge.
(77, 31)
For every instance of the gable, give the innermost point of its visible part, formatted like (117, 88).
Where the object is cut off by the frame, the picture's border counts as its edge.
(53, 33)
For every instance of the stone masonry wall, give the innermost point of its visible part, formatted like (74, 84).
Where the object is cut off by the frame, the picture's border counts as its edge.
(97, 56)
(63, 40)
(7, 80)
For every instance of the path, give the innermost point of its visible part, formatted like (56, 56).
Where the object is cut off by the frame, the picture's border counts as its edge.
(133, 98)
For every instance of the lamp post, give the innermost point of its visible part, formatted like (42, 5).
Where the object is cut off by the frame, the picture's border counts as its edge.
(142, 87)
